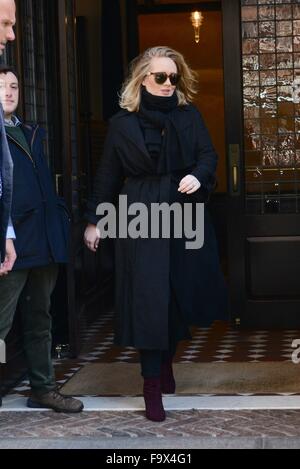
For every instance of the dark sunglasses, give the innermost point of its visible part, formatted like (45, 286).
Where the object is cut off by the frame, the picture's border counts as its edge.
(161, 77)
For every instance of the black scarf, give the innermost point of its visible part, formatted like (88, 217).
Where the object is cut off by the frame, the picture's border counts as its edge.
(158, 116)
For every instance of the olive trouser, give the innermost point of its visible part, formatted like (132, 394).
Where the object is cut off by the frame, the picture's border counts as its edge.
(30, 290)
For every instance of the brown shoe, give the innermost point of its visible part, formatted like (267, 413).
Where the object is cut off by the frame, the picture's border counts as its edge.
(56, 401)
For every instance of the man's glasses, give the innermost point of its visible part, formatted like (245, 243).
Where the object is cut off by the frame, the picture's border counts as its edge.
(161, 78)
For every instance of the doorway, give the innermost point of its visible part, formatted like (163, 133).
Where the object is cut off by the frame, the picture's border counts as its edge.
(99, 81)
(102, 62)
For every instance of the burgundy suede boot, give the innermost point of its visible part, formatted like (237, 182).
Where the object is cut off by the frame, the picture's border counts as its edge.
(167, 380)
(153, 400)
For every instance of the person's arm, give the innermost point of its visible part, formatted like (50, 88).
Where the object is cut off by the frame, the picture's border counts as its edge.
(205, 171)
(108, 180)
(107, 185)
(10, 234)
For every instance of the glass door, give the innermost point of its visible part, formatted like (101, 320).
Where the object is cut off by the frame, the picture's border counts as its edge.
(262, 76)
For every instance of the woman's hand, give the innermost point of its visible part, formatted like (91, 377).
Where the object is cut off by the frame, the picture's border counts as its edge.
(189, 184)
(92, 237)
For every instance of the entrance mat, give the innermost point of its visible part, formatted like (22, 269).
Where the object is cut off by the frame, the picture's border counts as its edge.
(124, 379)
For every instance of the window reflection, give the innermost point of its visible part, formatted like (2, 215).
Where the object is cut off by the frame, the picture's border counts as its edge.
(271, 75)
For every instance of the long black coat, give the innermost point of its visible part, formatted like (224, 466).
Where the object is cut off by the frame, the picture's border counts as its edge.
(145, 268)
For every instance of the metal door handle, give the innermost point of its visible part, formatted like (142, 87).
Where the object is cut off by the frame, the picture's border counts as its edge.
(57, 179)
(235, 175)
(234, 158)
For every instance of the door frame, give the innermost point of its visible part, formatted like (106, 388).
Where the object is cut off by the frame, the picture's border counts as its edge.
(260, 295)
(233, 94)
(234, 124)
(66, 152)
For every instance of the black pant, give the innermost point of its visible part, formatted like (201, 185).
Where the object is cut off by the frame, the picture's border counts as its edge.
(151, 360)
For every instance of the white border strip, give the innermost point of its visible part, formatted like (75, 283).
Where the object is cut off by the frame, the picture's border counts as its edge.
(14, 403)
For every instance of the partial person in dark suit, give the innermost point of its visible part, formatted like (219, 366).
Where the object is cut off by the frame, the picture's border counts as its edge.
(7, 250)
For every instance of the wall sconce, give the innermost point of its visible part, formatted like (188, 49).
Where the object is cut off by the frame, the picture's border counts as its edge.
(197, 21)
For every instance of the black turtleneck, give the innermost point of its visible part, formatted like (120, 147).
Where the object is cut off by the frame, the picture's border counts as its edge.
(153, 110)
(158, 103)
(161, 121)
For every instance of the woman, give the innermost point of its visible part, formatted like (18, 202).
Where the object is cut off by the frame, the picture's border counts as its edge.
(159, 151)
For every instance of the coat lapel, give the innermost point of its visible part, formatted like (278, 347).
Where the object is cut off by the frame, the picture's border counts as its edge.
(28, 132)
(133, 132)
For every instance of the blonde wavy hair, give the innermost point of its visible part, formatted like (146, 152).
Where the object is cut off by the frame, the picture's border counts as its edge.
(130, 96)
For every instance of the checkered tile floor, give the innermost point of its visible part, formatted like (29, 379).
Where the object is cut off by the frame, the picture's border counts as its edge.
(220, 343)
